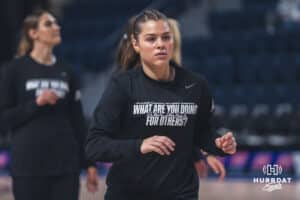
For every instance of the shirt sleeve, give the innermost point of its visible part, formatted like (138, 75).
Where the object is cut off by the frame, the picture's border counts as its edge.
(78, 120)
(205, 135)
(197, 155)
(13, 111)
(103, 142)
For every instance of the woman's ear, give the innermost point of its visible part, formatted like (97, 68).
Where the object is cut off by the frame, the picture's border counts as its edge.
(32, 33)
(135, 44)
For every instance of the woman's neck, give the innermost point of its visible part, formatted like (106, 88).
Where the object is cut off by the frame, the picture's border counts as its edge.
(163, 73)
(43, 55)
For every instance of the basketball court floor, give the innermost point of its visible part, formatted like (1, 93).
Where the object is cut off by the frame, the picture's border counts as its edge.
(209, 190)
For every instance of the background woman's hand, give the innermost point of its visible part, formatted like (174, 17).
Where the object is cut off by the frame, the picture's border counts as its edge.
(92, 179)
(159, 144)
(47, 97)
(202, 169)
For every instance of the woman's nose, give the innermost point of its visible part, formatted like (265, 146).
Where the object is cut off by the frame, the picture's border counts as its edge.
(56, 26)
(160, 43)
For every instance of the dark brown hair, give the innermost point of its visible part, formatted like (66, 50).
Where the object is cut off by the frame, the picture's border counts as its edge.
(126, 57)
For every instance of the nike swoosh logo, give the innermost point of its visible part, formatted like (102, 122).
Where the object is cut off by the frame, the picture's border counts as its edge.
(189, 86)
(63, 74)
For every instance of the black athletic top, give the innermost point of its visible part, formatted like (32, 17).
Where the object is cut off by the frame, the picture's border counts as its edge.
(134, 107)
(46, 140)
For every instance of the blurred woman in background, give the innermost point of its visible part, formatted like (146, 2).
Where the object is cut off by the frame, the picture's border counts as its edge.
(40, 103)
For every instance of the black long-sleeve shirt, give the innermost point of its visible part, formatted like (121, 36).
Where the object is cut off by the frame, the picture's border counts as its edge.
(46, 140)
(134, 107)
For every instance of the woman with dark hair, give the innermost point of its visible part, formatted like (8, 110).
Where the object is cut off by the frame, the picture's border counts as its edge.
(122, 60)
(40, 104)
(150, 117)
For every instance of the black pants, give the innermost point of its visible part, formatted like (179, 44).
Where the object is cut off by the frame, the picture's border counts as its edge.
(65, 187)
(117, 195)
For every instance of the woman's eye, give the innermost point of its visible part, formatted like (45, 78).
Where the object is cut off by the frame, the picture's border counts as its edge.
(150, 39)
(48, 23)
(166, 37)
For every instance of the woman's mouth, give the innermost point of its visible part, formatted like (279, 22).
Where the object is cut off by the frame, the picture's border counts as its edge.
(161, 55)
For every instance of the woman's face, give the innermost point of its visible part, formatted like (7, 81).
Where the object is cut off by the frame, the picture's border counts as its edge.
(154, 43)
(48, 31)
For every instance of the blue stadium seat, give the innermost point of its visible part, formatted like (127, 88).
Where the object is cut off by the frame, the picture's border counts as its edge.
(293, 94)
(283, 114)
(261, 119)
(259, 5)
(220, 116)
(238, 117)
(265, 72)
(222, 94)
(236, 20)
(246, 69)
(214, 65)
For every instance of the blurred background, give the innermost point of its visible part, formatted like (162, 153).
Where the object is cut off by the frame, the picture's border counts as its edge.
(249, 50)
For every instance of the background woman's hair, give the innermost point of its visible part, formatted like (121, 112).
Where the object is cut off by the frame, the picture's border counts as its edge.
(30, 22)
(126, 57)
(176, 57)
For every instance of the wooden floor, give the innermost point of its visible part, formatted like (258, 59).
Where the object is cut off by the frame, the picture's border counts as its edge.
(209, 190)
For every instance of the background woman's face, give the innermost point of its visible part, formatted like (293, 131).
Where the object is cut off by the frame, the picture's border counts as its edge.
(155, 43)
(48, 31)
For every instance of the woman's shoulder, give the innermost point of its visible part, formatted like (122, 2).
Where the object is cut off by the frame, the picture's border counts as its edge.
(19, 60)
(64, 64)
(191, 75)
(123, 80)
(125, 76)
(14, 64)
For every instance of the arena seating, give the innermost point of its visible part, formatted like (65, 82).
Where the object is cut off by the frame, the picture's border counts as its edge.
(254, 74)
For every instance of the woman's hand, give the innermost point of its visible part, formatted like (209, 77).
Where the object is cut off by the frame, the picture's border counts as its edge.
(216, 165)
(92, 179)
(159, 144)
(47, 97)
(202, 169)
(227, 143)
